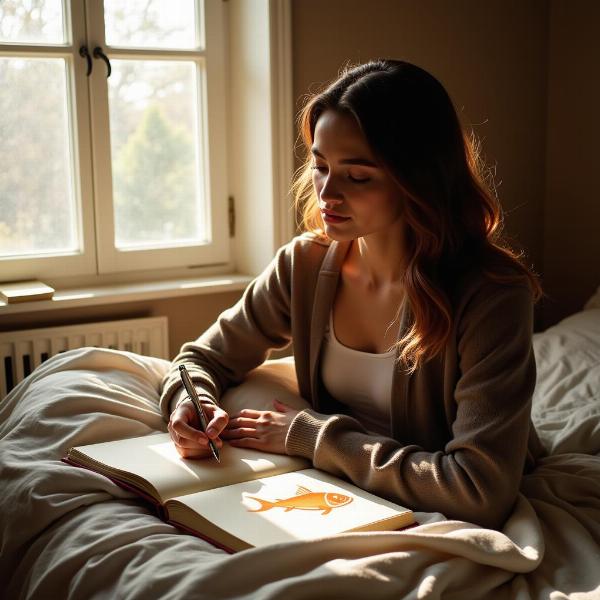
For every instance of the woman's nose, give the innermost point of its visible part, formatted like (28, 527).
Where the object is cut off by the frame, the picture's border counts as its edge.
(330, 192)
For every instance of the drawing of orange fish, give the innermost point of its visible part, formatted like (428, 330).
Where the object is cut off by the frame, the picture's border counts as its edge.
(305, 500)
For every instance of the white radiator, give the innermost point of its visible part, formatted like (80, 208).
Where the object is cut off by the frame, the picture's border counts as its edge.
(23, 351)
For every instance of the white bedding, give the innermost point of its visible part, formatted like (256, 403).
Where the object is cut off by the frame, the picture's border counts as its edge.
(67, 532)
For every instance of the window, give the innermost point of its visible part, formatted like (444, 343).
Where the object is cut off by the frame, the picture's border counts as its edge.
(112, 125)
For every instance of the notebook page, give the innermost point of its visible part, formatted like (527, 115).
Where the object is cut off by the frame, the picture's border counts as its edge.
(304, 504)
(154, 458)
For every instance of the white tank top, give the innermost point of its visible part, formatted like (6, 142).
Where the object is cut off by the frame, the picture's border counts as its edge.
(360, 380)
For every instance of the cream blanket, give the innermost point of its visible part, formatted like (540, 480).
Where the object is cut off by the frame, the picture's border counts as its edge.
(70, 533)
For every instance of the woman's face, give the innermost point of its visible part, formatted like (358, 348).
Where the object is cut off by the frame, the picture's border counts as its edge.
(357, 197)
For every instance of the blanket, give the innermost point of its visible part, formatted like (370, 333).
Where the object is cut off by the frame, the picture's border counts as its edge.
(71, 533)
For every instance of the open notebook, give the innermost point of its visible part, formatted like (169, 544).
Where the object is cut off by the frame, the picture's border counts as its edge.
(250, 499)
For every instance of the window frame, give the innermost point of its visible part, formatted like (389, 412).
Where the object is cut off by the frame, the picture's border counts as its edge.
(87, 100)
(84, 261)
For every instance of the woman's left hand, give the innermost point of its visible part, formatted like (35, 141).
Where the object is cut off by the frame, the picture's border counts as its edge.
(264, 430)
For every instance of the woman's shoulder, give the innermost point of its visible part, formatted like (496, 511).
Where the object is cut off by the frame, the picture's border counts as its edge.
(477, 290)
(307, 246)
(484, 274)
(310, 239)
(305, 252)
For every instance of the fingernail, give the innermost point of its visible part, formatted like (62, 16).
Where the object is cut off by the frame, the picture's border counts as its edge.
(210, 432)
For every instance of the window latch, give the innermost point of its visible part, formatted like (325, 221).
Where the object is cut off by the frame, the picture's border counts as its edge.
(231, 213)
(99, 54)
(83, 52)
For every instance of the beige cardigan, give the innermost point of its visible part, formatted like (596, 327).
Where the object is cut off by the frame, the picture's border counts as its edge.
(461, 426)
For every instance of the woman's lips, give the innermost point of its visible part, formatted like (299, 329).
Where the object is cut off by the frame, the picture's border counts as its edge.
(333, 218)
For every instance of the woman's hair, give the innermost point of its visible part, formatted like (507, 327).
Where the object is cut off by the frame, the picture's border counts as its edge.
(453, 220)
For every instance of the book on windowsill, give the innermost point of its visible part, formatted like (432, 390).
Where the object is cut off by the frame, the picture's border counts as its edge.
(24, 291)
(249, 499)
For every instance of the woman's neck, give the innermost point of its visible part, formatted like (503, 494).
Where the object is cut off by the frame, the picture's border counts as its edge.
(377, 261)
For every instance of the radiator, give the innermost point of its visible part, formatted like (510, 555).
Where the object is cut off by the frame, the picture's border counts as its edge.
(23, 351)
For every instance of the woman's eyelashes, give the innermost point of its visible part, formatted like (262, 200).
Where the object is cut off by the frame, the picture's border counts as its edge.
(358, 179)
(354, 178)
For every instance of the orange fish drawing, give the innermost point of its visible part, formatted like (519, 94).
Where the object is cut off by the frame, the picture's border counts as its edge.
(305, 500)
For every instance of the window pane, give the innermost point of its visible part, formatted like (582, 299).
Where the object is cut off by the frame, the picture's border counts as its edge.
(150, 23)
(38, 214)
(32, 21)
(156, 156)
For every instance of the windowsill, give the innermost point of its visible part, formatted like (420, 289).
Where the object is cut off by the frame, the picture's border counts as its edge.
(131, 292)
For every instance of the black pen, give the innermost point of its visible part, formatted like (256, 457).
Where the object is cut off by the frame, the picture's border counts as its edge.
(191, 390)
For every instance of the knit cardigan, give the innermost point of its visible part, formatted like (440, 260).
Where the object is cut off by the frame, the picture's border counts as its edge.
(461, 423)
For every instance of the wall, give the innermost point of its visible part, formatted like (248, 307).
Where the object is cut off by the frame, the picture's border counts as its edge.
(572, 209)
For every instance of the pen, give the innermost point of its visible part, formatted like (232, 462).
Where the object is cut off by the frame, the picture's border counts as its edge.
(191, 390)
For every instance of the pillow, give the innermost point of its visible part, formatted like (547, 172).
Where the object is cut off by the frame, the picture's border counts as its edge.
(274, 379)
(594, 301)
(566, 401)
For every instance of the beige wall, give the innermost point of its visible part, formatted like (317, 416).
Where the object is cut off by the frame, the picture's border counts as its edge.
(572, 208)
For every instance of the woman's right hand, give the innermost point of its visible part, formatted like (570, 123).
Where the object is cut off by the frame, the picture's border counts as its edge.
(184, 427)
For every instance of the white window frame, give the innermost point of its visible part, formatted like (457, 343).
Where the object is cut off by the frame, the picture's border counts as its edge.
(83, 261)
(88, 105)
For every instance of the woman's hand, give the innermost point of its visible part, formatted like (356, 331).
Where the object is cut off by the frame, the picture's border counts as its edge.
(264, 430)
(184, 427)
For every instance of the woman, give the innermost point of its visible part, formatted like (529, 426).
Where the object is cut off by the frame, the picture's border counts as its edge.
(410, 321)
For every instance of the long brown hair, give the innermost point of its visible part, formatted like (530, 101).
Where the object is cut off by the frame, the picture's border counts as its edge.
(453, 219)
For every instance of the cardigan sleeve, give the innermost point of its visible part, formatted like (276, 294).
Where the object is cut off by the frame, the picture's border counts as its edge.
(240, 339)
(476, 475)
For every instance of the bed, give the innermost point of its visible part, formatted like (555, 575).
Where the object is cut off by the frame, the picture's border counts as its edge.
(70, 533)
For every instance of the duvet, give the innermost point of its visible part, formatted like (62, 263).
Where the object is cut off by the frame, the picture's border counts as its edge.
(70, 533)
